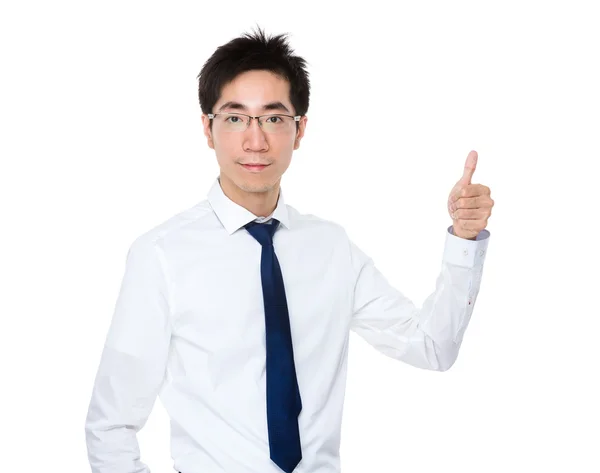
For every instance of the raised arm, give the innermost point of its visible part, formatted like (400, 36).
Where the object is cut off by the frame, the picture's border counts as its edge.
(427, 337)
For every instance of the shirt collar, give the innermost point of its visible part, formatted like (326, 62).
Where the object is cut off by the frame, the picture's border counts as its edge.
(234, 216)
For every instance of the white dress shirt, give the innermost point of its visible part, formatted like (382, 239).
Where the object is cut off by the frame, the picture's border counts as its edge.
(188, 326)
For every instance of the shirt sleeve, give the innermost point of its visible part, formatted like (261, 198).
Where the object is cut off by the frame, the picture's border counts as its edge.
(427, 337)
(132, 363)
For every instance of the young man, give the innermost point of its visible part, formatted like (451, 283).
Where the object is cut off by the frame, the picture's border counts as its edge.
(237, 311)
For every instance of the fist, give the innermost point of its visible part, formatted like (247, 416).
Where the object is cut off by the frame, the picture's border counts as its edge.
(469, 205)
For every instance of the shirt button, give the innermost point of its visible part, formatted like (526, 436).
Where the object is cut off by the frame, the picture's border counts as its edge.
(481, 252)
(465, 252)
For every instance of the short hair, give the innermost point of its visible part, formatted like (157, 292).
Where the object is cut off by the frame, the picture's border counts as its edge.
(254, 52)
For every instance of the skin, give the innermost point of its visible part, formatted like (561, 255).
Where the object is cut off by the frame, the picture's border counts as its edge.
(469, 205)
(257, 192)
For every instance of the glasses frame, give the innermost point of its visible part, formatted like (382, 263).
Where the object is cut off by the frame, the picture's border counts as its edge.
(249, 122)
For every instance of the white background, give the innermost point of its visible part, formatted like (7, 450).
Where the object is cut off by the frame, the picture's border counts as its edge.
(101, 140)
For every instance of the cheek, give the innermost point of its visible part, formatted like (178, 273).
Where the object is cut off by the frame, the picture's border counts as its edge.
(227, 150)
(283, 147)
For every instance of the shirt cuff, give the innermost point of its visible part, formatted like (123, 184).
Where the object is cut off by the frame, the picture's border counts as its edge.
(466, 253)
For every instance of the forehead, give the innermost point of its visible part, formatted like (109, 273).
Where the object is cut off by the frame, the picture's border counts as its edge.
(254, 89)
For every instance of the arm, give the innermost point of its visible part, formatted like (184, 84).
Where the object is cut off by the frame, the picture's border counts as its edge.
(132, 364)
(429, 337)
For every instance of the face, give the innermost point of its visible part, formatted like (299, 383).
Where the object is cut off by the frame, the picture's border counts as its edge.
(254, 93)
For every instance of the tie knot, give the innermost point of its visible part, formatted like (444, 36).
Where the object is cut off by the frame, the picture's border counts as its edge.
(263, 232)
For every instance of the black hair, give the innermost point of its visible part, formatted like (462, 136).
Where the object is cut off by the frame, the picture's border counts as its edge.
(254, 52)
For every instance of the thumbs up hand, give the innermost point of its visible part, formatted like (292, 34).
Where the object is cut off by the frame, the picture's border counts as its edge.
(469, 205)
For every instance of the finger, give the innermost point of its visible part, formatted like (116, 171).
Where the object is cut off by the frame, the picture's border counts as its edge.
(479, 202)
(472, 190)
(470, 165)
(470, 214)
(474, 225)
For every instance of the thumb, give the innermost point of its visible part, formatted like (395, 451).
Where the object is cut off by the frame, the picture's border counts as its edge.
(470, 165)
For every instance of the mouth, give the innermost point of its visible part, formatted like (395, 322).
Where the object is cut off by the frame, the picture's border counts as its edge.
(254, 167)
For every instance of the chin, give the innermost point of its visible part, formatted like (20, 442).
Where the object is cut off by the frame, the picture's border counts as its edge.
(255, 186)
(252, 183)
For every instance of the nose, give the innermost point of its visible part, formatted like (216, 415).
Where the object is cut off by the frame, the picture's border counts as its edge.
(255, 138)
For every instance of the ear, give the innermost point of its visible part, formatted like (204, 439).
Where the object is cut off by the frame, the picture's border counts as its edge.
(207, 132)
(300, 132)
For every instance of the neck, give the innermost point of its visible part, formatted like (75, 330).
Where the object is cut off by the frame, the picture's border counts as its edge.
(261, 204)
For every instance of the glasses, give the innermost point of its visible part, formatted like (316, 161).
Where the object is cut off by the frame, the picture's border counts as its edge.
(268, 123)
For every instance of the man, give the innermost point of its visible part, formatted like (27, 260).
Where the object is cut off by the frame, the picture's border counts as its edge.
(237, 311)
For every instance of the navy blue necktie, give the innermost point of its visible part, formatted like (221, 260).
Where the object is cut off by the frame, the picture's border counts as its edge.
(283, 396)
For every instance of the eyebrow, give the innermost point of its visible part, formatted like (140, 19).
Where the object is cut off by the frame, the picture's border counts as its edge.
(238, 106)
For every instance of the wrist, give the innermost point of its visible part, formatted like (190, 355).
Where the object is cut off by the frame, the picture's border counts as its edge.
(464, 237)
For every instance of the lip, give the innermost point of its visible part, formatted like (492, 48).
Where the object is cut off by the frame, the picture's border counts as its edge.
(255, 167)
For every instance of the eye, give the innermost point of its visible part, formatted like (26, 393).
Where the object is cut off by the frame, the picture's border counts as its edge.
(274, 119)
